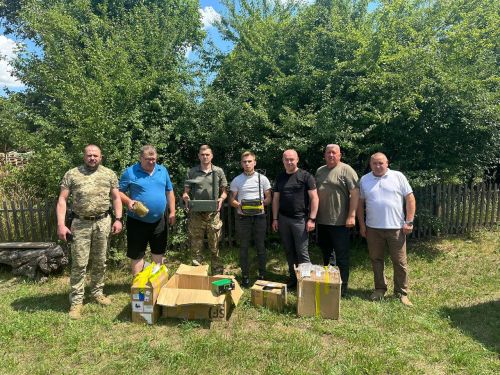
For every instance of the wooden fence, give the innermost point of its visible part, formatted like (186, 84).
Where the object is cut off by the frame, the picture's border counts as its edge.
(456, 209)
(28, 221)
(441, 209)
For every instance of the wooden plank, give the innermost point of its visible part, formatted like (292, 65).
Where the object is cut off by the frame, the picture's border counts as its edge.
(475, 205)
(439, 206)
(488, 206)
(23, 220)
(7, 221)
(430, 207)
(47, 218)
(458, 205)
(465, 193)
(26, 245)
(481, 206)
(32, 220)
(39, 212)
(497, 198)
(448, 208)
(470, 216)
(14, 219)
(452, 209)
(2, 226)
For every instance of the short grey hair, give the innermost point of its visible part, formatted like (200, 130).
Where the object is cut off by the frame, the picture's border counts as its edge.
(148, 150)
(332, 145)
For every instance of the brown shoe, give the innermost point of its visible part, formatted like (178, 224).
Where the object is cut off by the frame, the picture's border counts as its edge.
(102, 300)
(377, 295)
(405, 300)
(75, 311)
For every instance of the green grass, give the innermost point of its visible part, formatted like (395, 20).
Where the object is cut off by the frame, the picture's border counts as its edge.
(454, 327)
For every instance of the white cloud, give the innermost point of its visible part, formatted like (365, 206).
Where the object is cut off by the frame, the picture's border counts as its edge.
(8, 49)
(209, 16)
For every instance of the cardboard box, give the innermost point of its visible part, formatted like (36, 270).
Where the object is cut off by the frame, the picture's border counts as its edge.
(318, 291)
(188, 295)
(144, 297)
(269, 294)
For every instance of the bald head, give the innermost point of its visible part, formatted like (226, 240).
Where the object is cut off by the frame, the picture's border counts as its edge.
(290, 161)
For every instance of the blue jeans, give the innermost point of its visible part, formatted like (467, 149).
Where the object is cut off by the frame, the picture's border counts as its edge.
(334, 243)
(255, 225)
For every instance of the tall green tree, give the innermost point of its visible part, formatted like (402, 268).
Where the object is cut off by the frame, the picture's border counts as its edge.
(109, 72)
(415, 79)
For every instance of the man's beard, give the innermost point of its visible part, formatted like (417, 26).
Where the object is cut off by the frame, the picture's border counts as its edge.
(91, 168)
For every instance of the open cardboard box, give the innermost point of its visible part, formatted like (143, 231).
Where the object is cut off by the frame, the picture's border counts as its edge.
(188, 295)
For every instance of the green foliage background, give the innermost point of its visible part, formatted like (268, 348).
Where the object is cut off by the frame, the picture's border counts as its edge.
(415, 79)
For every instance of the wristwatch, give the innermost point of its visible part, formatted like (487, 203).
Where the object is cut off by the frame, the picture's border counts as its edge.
(120, 219)
(313, 219)
(409, 222)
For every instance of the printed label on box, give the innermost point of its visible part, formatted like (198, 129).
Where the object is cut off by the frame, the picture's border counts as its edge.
(148, 308)
(137, 306)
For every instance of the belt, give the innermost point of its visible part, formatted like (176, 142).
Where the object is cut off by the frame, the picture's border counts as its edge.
(93, 217)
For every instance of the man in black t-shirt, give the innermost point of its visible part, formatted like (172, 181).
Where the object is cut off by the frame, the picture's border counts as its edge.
(295, 205)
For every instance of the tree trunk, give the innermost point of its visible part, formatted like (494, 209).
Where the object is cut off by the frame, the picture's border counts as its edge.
(33, 259)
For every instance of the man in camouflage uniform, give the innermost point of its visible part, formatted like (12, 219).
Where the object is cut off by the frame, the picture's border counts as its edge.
(200, 183)
(91, 186)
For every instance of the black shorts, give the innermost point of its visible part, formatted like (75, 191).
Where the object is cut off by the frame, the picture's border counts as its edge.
(140, 234)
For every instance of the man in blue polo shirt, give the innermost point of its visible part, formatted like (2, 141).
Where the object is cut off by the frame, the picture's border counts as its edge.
(148, 183)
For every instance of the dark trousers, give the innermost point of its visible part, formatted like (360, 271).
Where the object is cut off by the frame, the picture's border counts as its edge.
(334, 243)
(255, 225)
(295, 240)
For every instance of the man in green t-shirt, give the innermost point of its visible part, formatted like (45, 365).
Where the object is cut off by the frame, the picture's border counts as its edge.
(338, 192)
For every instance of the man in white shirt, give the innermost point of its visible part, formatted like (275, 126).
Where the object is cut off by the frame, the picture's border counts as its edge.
(250, 192)
(384, 192)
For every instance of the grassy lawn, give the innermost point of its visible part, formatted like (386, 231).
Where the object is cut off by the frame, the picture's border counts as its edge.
(454, 327)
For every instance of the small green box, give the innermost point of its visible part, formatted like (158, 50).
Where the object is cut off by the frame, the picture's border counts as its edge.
(222, 286)
(203, 205)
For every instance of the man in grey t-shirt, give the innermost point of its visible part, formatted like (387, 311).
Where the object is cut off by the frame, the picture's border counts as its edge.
(250, 192)
(338, 195)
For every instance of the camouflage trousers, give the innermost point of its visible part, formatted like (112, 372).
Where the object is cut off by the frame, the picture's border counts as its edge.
(90, 244)
(211, 224)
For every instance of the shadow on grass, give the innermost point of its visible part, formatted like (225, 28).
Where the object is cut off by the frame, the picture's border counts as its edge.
(116, 288)
(480, 321)
(53, 302)
(59, 302)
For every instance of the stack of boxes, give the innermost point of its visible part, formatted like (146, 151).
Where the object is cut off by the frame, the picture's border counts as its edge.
(191, 294)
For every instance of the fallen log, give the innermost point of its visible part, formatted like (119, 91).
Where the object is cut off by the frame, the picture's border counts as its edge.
(35, 260)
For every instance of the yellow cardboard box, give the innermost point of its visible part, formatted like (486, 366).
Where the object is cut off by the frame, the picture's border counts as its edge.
(144, 293)
(188, 295)
(318, 291)
(269, 294)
